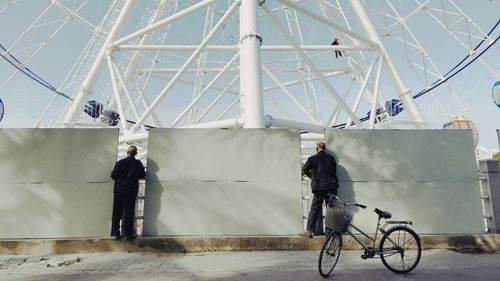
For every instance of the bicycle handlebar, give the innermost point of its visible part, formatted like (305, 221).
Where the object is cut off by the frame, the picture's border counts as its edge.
(347, 203)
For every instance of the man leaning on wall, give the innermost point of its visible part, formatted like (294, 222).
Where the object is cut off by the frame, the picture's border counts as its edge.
(322, 169)
(126, 174)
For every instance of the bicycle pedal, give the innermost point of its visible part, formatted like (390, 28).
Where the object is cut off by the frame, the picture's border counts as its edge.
(363, 256)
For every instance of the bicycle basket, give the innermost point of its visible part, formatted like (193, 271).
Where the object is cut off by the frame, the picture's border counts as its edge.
(338, 217)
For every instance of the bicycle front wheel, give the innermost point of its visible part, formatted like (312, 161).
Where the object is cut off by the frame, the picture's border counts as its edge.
(330, 253)
(400, 249)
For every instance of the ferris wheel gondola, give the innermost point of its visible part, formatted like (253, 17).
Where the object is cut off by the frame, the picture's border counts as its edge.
(1, 109)
(495, 92)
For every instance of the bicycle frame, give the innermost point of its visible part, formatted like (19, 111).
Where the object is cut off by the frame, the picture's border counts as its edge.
(382, 230)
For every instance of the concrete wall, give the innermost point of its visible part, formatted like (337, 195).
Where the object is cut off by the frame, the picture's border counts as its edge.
(429, 177)
(55, 182)
(223, 182)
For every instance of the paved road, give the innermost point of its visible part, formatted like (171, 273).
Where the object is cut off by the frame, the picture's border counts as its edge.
(294, 265)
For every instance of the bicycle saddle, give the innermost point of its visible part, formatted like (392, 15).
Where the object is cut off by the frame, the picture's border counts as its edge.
(383, 214)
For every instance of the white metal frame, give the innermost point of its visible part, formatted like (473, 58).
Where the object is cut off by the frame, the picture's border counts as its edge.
(245, 76)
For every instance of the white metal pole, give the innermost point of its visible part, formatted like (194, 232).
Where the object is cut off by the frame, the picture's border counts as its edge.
(306, 73)
(275, 103)
(290, 95)
(269, 48)
(146, 103)
(202, 93)
(308, 79)
(116, 91)
(130, 70)
(223, 114)
(326, 21)
(85, 90)
(290, 124)
(448, 28)
(200, 66)
(176, 77)
(226, 123)
(165, 21)
(37, 124)
(403, 91)
(250, 65)
(125, 89)
(312, 66)
(376, 89)
(362, 90)
(191, 83)
(335, 114)
(137, 137)
(312, 137)
(329, 71)
(214, 102)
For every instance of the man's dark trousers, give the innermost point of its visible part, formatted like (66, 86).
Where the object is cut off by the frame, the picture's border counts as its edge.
(123, 207)
(316, 210)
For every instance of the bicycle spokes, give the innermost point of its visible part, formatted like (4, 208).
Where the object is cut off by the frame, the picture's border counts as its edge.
(400, 249)
(329, 254)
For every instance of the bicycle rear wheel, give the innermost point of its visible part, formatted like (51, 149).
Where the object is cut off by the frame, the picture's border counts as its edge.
(400, 249)
(330, 253)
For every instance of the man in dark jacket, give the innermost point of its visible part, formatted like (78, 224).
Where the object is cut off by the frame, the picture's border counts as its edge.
(337, 52)
(126, 174)
(322, 169)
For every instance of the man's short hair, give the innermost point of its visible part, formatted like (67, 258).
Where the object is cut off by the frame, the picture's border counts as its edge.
(132, 150)
(321, 146)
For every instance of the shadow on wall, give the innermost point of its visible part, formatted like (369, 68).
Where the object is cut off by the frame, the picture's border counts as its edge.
(346, 190)
(152, 201)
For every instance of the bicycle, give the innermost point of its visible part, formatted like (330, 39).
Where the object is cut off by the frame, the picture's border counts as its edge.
(399, 248)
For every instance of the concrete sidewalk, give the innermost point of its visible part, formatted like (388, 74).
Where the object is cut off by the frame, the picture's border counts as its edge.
(187, 244)
(271, 265)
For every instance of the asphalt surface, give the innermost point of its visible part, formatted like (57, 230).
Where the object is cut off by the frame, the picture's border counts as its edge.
(272, 265)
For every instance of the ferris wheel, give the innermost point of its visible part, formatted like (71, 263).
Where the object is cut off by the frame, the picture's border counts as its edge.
(304, 64)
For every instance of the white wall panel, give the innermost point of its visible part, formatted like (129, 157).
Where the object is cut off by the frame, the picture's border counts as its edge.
(433, 207)
(46, 155)
(222, 208)
(404, 155)
(223, 182)
(55, 210)
(55, 183)
(224, 155)
(427, 176)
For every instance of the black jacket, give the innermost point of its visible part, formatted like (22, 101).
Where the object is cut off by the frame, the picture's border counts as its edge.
(322, 169)
(127, 173)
